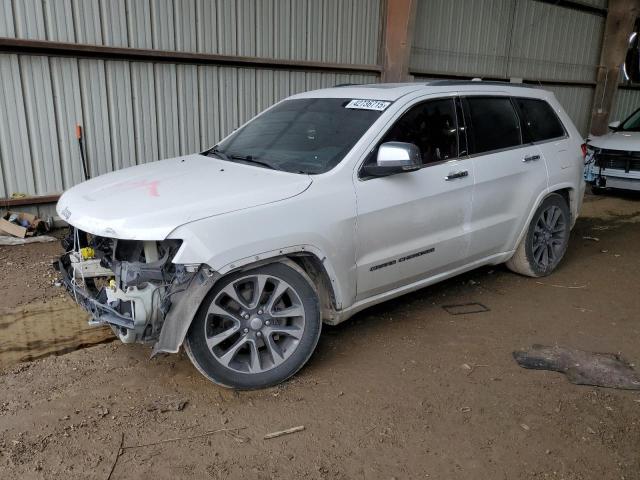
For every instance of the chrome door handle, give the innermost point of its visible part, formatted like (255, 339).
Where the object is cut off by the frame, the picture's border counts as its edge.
(454, 175)
(531, 158)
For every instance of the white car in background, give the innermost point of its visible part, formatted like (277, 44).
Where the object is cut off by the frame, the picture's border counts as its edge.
(613, 160)
(326, 203)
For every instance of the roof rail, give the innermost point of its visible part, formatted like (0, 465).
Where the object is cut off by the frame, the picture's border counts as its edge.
(447, 83)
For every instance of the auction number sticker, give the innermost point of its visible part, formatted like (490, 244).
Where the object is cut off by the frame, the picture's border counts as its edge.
(377, 105)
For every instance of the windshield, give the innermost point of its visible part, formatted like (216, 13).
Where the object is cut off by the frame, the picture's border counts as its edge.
(310, 135)
(632, 123)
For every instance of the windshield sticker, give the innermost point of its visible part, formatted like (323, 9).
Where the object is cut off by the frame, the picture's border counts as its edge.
(377, 105)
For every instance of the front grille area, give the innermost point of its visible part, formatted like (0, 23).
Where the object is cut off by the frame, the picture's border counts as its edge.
(619, 160)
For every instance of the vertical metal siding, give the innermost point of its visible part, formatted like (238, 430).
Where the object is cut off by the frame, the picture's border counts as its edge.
(29, 20)
(68, 107)
(41, 123)
(86, 17)
(58, 16)
(461, 36)
(556, 43)
(97, 132)
(120, 108)
(139, 23)
(188, 101)
(113, 16)
(207, 33)
(134, 112)
(144, 112)
(506, 38)
(14, 142)
(6, 19)
(626, 102)
(317, 30)
(167, 110)
(185, 15)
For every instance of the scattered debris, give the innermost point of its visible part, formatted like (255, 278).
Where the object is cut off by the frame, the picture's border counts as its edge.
(472, 368)
(561, 286)
(466, 308)
(582, 368)
(189, 437)
(593, 239)
(21, 225)
(6, 240)
(525, 426)
(115, 460)
(465, 409)
(167, 405)
(284, 432)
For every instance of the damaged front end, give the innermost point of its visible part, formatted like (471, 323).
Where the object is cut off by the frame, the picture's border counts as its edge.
(126, 284)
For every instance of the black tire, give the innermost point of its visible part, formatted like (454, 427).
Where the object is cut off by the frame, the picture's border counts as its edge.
(301, 292)
(526, 259)
(595, 190)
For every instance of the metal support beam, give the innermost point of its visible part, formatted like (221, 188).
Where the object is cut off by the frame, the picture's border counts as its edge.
(398, 35)
(621, 17)
(43, 47)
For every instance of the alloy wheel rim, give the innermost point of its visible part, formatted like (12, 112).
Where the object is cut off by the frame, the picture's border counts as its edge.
(548, 237)
(254, 324)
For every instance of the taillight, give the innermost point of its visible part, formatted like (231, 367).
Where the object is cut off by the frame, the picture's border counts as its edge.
(584, 150)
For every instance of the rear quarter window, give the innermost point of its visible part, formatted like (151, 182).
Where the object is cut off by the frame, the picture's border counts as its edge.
(540, 121)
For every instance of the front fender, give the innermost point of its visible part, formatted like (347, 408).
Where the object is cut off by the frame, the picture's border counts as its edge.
(186, 303)
(184, 307)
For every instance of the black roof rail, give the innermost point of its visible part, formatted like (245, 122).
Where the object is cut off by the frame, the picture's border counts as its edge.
(449, 83)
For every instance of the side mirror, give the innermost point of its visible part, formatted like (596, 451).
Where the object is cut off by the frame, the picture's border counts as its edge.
(395, 157)
(614, 125)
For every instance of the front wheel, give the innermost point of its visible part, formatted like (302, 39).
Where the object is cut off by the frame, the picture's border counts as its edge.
(545, 241)
(256, 328)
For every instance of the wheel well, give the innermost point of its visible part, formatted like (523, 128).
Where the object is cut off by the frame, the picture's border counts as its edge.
(312, 265)
(567, 194)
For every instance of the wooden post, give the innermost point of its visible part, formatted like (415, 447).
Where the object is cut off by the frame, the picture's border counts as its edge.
(621, 17)
(398, 35)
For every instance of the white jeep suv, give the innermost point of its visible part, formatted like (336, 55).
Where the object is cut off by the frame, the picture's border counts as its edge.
(328, 202)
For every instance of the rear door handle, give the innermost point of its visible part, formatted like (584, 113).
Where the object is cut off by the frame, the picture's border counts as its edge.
(454, 175)
(531, 158)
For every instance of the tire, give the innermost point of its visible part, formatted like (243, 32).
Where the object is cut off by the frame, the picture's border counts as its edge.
(545, 242)
(595, 190)
(255, 328)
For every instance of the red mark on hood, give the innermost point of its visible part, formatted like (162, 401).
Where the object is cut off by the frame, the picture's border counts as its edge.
(151, 186)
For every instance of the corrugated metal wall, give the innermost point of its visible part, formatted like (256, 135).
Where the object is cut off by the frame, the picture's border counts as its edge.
(134, 112)
(512, 38)
(626, 102)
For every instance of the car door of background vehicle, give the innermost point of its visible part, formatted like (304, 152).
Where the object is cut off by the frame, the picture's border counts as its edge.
(415, 224)
(509, 175)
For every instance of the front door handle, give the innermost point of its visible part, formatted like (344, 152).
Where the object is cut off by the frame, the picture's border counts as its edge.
(454, 175)
(531, 158)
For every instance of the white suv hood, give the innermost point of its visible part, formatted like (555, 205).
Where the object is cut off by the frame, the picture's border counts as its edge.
(627, 141)
(147, 202)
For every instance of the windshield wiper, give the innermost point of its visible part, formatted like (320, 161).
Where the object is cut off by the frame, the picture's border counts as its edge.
(216, 151)
(250, 159)
(236, 157)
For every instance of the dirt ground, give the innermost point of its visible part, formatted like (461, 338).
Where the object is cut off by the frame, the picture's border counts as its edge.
(403, 390)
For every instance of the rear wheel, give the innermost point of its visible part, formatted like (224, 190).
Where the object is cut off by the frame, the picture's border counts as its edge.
(256, 328)
(545, 241)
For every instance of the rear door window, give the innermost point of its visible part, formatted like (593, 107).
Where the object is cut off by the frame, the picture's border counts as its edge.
(540, 121)
(492, 124)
